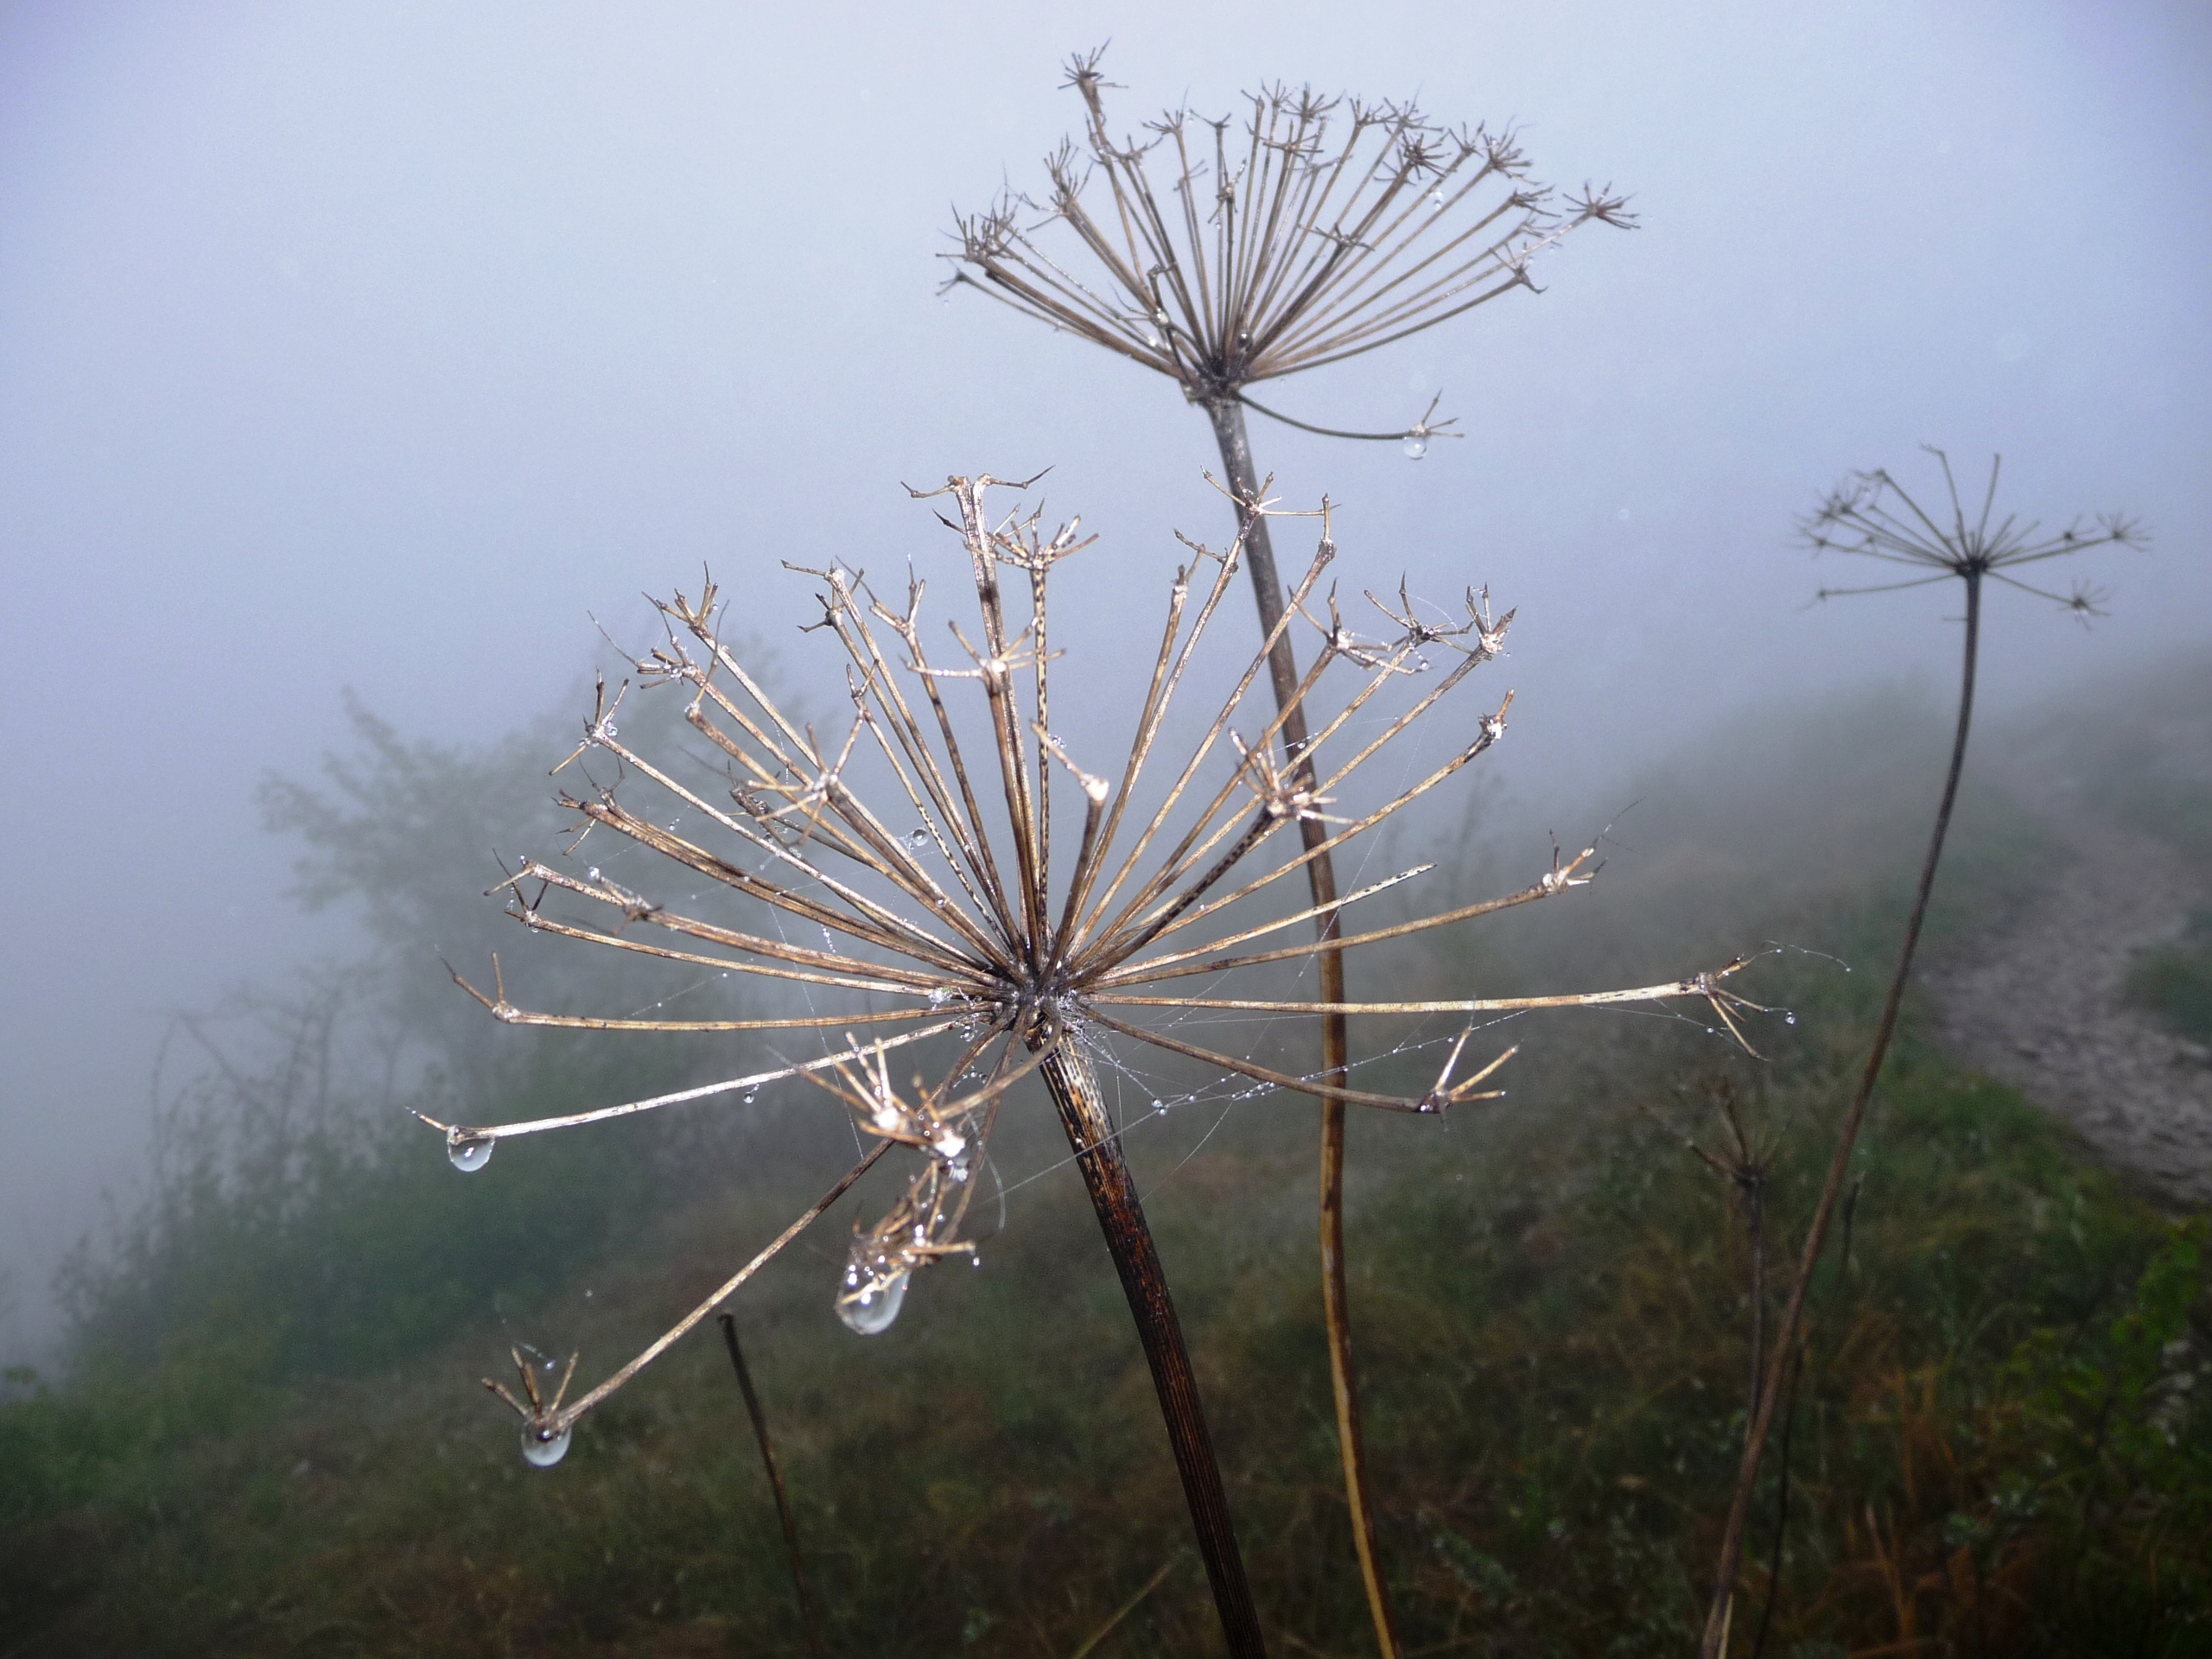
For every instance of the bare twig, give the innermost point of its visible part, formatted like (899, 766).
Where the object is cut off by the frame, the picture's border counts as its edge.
(728, 1323)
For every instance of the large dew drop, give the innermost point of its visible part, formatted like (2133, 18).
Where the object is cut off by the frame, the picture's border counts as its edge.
(1416, 446)
(468, 1152)
(868, 1310)
(545, 1453)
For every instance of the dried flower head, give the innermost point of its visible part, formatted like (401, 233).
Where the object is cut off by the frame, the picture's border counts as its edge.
(1871, 513)
(961, 929)
(1223, 252)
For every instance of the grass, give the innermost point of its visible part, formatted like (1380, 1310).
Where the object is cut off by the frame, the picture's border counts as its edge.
(1990, 1448)
(2174, 981)
(1993, 1449)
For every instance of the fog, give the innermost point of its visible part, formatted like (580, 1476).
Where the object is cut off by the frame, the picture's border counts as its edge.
(382, 347)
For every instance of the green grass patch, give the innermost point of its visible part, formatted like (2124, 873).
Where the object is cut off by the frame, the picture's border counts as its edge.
(1994, 1447)
(2174, 981)
(275, 1441)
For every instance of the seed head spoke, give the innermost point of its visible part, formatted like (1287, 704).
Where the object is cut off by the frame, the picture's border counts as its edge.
(1253, 1069)
(559, 1419)
(677, 1098)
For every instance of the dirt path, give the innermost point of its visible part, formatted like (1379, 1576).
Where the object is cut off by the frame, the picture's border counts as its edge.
(2039, 1005)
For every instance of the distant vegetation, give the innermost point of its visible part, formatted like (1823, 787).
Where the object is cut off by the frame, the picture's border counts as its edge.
(270, 1439)
(2174, 980)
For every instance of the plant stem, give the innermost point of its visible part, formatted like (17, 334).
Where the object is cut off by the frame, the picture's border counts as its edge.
(1091, 1131)
(1780, 1506)
(1758, 1185)
(1228, 418)
(776, 1480)
(1784, 1343)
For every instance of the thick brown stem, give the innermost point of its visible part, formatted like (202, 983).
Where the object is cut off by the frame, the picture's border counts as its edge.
(1091, 1131)
(1228, 418)
(1784, 1340)
(775, 1480)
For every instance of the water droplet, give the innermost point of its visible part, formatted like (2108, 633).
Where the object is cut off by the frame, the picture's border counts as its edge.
(1156, 343)
(752, 1094)
(543, 1453)
(1420, 664)
(592, 874)
(869, 1311)
(468, 1152)
(940, 996)
(612, 730)
(1416, 446)
(949, 1144)
(1436, 201)
(1789, 1019)
(919, 840)
(1157, 1107)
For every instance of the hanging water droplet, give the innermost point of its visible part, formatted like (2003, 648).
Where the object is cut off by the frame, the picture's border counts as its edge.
(1157, 1107)
(592, 873)
(1420, 664)
(612, 730)
(1789, 1019)
(1416, 446)
(957, 1169)
(869, 1310)
(1156, 343)
(752, 1094)
(541, 1453)
(919, 840)
(1436, 201)
(468, 1152)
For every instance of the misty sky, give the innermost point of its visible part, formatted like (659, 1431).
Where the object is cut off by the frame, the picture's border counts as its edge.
(373, 346)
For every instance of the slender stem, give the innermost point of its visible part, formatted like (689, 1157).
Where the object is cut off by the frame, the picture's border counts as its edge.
(1075, 1091)
(1227, 415)
(1784, 1340)
(1758, 1186)
(1781, 1507)
(776, 1480)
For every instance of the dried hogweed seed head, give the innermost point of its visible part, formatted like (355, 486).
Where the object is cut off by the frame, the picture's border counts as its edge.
(999, 939)
(1306, 230)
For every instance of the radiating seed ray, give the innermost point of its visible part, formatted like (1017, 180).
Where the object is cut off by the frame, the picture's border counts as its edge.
(676, 1097)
